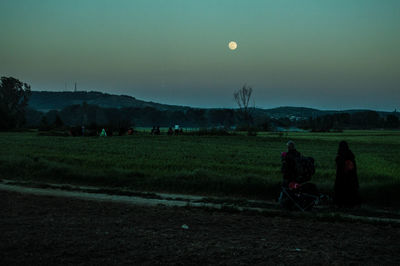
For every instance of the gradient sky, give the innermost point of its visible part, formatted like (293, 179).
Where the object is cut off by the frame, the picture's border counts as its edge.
(328, 54)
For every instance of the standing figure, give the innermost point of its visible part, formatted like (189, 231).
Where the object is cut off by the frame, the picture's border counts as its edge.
(346, 183)
(157, 131)
(170, 131)
(288, 159)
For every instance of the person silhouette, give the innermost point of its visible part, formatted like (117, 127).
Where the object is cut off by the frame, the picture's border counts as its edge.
(288, 159)
(346, 184)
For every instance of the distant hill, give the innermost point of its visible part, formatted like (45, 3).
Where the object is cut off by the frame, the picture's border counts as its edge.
(45, 101)
(121, 110)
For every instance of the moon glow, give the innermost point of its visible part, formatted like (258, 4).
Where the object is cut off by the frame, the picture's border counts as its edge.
(232, 45)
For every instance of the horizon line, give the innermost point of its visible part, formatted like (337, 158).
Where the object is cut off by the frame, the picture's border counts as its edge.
(197, 107)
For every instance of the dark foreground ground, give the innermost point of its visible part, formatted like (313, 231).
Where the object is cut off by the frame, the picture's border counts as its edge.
(40, 230)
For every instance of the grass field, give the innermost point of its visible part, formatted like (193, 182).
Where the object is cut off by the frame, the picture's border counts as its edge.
(224, 165)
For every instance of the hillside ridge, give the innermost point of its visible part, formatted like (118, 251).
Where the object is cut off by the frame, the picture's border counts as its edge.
(45, 101)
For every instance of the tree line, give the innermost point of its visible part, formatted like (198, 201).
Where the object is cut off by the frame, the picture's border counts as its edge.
(357, 120)
(14, 97)
(86, 114)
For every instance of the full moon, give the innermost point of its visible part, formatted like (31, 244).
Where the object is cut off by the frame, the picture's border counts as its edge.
(232, 45)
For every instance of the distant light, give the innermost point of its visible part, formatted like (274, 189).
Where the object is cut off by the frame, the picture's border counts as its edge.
(232, 45)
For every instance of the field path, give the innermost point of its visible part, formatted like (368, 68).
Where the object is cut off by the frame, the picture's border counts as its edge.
(44, 229)
(180, 200)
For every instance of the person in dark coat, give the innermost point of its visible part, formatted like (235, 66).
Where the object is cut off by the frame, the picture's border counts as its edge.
(289, 164)
(346, 183)
(170, 131)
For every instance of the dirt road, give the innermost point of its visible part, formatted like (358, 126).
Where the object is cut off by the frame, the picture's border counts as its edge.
(51, 230)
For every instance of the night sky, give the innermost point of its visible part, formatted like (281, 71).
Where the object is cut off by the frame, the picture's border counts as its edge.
(338, 54)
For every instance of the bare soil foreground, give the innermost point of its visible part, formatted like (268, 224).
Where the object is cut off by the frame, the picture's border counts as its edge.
(45, 230)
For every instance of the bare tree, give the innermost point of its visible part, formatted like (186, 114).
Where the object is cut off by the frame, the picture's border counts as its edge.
(242, 97)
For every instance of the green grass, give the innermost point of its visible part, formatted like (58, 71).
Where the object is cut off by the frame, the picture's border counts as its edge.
(226, 165)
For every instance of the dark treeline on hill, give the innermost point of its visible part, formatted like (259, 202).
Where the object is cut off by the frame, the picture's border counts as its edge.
(357, 120)
(21, 107)
(86, 114)
(55, 109)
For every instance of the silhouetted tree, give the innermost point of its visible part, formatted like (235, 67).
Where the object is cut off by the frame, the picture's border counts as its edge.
(222, 117)
(32, 117)
(58, 122)
(177, 118)
(242, 98)
(366, 119)
(14, 96)
(44, 124)
(196, 117)
(265, 125)
(392, 121)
